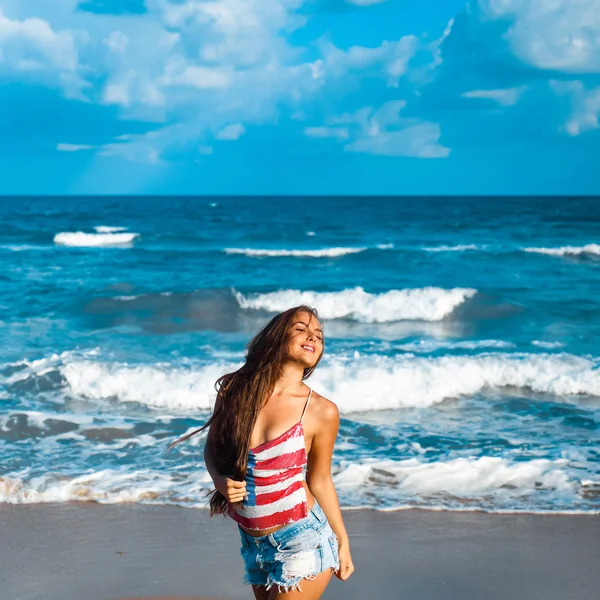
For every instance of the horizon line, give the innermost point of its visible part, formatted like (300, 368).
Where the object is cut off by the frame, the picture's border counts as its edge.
(282, 196)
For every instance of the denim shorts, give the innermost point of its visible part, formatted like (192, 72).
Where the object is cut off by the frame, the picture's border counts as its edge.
(297, 551)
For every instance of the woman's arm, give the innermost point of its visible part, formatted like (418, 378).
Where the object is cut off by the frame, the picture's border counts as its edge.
(320, 483)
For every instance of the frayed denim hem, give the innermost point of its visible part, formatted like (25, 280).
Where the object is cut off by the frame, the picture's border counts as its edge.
(248, 581)
(288, 586)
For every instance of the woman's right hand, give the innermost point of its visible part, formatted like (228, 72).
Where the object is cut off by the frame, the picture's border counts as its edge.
(234, 491)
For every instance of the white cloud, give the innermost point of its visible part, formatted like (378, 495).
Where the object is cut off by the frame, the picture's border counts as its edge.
(551, 34)
(372, 123)
(117, 92)
(504, 97)
(585, 106)
(436, 46)
(31, 45)
(389, 60)
(255, 98)
(385, 132)
(231, 132)
(35, 39)
(179, 72)
(238, 32)
(419, 141)
(205, 69)
(153, 145)
(134, 70)
(135, 152)
(117, 41)
(130, 88)
(340, 133)
(203, 57)
(73, 147)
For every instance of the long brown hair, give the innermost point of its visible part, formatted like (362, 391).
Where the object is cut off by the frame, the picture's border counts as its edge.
(241, 395)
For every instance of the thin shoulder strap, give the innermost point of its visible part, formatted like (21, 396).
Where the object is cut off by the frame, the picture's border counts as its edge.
(306, 405)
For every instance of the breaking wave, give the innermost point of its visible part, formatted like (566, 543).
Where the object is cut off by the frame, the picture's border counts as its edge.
(425, 304)
(457, 248)
(461, 477)
(356, 384)
(487, 483)
(591, 249)
(318, 253)
(89, 240)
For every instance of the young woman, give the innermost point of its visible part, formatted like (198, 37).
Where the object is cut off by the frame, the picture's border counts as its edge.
(267, 430)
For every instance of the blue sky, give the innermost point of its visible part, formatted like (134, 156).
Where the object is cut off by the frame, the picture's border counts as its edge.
(299, 97)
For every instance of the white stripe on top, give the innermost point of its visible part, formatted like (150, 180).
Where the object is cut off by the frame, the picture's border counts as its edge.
(292, 445)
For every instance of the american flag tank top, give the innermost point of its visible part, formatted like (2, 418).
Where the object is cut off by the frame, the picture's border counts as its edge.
(274, 481)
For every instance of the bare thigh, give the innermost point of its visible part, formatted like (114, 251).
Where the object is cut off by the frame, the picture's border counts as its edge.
(311, 589)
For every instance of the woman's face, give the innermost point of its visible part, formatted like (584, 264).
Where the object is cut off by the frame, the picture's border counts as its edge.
(306, 339)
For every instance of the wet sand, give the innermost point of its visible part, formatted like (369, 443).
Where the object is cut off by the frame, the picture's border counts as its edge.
(86, 551)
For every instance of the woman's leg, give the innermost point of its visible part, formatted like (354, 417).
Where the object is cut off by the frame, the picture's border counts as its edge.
(260, 592)
(312, 589)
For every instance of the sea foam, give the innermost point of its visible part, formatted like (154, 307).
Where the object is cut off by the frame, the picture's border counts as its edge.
(424, 304)
(456, 248)
(107, 229)
(485, 483)
(159, 386)
(108, 486)
(356, 384)
(88, 240)
(487, 480)
(317, 253)
(593, 249)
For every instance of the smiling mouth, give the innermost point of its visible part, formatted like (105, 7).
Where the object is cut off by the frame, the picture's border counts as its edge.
(308, 349)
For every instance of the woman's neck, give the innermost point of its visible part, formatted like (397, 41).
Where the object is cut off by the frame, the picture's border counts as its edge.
(290, 380)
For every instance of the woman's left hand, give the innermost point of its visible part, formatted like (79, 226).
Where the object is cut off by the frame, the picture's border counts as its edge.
(346, 565)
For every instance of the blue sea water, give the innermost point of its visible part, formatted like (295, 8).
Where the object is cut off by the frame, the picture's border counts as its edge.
(462, 343)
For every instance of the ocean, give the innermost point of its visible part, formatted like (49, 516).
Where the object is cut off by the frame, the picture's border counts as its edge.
(462, 343)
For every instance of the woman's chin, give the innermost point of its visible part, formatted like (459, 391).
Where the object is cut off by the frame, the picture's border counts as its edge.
(310, 362)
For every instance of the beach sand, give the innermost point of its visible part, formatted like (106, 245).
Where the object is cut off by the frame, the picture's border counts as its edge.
(87, 551)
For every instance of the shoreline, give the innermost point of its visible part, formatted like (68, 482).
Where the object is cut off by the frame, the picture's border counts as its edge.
(89, 551)
(345, 509)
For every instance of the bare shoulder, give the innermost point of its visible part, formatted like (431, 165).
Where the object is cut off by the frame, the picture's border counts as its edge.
(324, 410)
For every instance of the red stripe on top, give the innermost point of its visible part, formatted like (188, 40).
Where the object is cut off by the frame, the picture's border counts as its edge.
(269, 497)
(300, 511)
(259, 481)
(285, 461)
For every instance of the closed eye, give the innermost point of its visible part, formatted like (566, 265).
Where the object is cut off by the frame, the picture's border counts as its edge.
(318, 337)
